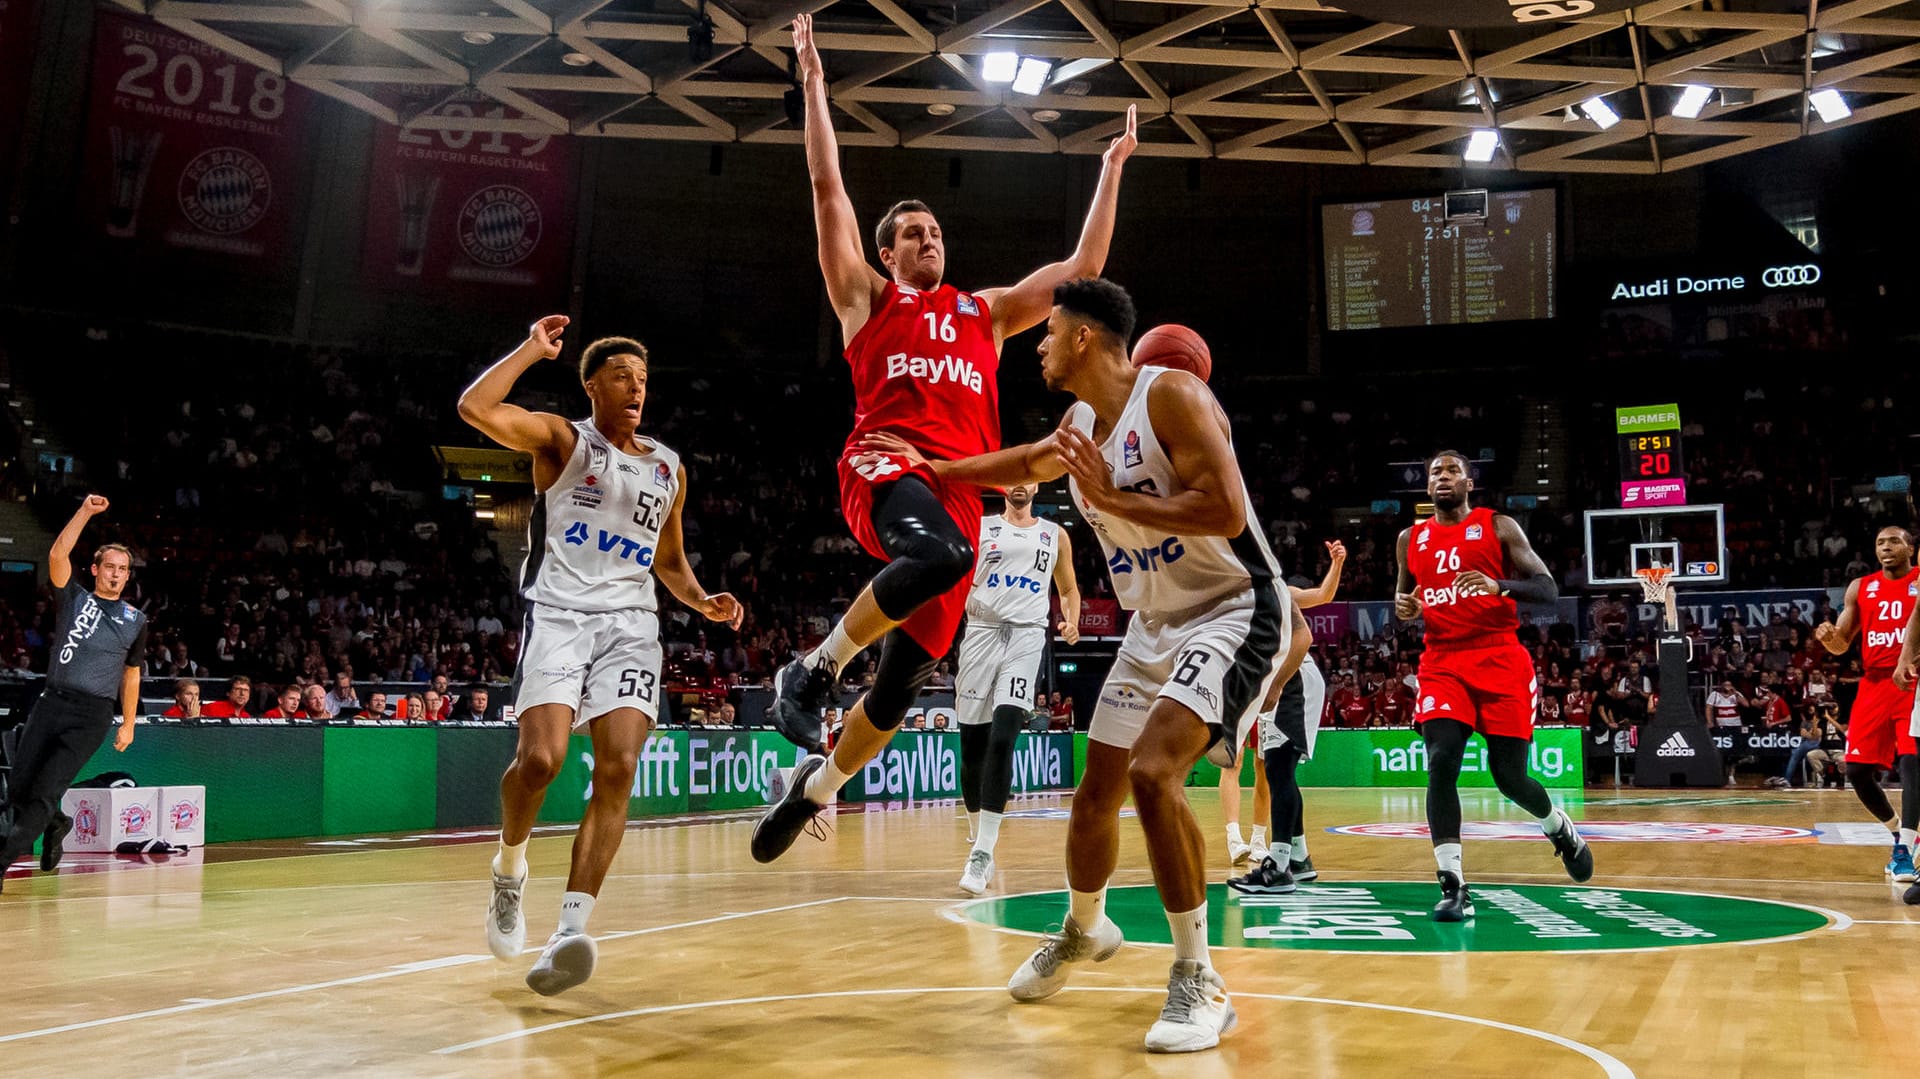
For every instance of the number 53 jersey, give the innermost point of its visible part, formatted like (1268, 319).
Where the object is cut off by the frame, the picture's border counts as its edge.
(593, 533)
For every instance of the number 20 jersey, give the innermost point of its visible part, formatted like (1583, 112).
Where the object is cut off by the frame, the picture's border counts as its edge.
(593, 533)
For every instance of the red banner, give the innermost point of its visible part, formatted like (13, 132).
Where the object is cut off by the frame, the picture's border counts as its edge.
(16, 64)
(1098, 617)
(471, 207)
(188, 147)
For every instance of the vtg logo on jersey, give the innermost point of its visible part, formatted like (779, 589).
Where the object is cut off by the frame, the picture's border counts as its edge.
(994, 580)
(1473, 532)
(636, 550)
(1130, 450)
(662, 475)
(1145, 559)
(966, 305)
(948, 369)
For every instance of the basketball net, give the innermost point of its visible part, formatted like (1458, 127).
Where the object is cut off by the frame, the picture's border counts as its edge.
(1654, 588)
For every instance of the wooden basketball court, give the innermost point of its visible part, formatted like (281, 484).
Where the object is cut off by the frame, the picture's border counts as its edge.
(369, 958)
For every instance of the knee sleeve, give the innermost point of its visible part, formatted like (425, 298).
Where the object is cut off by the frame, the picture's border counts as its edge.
(903, 668)
(1285, 813)
(973, 755)
(996, 775)
(929, 553)
(1866, 783)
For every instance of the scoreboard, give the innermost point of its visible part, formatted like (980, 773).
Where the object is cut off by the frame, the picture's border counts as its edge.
(1652, 471)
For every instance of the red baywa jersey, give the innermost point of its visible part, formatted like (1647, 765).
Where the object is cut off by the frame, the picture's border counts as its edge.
(1436, 553)
(1885, 605)
(925, 368)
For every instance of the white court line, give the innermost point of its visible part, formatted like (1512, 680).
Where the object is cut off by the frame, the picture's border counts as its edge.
(391, 972)
(1611, 1066)
(1866, 921)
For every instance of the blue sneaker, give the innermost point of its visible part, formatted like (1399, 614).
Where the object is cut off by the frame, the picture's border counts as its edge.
(1901, 868)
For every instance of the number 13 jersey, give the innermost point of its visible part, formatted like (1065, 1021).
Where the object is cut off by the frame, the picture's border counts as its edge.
(593, 534)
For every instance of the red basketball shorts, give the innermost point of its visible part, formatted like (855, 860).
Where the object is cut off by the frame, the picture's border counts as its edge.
(933, 624)
(1493, 690)
(1877, 728)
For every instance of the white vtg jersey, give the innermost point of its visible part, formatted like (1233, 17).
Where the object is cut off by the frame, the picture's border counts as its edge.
(1012, 573)
(594, 532)
(1153, 571)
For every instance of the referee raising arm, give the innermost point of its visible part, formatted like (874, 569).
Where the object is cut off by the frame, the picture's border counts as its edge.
(98, 643)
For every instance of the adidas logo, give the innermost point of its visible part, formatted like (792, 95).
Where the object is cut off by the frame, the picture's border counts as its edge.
(1674, 746)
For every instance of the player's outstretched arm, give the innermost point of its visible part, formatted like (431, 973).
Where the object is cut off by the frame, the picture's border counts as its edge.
(1837, 636)
(1904, 672)
(1329, 586)
(484, 403)
(1406, 605)
(60, 555)
(1532, 582)
(1035, 462)
(1025, 305)
(852, 282)
(1188, 424)
(1069, 588)
(670, 565)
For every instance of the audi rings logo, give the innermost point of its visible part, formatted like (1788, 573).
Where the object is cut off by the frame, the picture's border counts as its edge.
(1790, 276)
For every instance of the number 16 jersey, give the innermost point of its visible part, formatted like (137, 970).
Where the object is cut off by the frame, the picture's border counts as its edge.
(593, 533)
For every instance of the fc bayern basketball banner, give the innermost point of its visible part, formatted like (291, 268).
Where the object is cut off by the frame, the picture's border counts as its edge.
(189, 148)
(1461, 14)
(470, 207)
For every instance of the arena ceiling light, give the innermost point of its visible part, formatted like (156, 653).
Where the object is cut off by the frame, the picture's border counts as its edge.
(1692, 99)
(1600, 112)
(1481, 145)
(1830, 105)
(1000, 66)
(1032, 77)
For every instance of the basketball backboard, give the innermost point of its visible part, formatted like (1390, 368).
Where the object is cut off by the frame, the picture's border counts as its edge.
(1689, 540)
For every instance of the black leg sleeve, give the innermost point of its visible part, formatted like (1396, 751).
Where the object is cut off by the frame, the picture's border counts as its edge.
(997, 780)
(1866, 783)
(973, 755)
(1446, 748)
(1507, 757)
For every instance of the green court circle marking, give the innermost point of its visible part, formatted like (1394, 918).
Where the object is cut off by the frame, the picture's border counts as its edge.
(1392, 917)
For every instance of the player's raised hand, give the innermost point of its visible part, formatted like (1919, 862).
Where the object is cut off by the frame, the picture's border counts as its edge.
(1471, 582)
(804, 52)
(1406, 606)
(1122, 146)
(1336, 551)
(546, 334)
(1086, 464)
(722, 607)
(93, 505)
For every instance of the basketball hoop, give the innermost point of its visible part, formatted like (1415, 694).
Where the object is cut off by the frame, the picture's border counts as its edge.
(1653, 583)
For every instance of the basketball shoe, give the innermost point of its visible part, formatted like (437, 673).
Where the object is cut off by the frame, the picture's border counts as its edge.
(51, 850)
(1197, 1012)
(1456, 902)
(785, 819)
(565, 962)
(1303, 871)
(799, 693)
(1238, 851)
(979, 872)
(1573, 851)
(506, 922)
(1901, 867)
(1045, 971)
(1267, 878)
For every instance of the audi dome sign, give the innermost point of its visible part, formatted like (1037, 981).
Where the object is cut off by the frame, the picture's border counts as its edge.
(1462, 14)
(1786, 277)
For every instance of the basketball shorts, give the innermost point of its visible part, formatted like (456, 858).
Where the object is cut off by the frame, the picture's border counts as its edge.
(1296, 719)
(1496, 691)
(933, 624)
(591, 661)
(1875, 733)
(999, 665)
(1216, 660)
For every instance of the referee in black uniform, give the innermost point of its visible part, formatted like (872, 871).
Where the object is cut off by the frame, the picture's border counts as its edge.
(98, 643)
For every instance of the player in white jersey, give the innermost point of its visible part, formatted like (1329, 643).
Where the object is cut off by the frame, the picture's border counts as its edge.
(1000, 659)
(1153, 470)
(605, 525)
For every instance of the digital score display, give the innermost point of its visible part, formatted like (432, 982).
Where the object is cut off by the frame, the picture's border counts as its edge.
(1650, 457)
(1652, 472)
(1409, 262)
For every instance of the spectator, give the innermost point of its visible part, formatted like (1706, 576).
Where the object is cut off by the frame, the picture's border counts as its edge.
(186, 700)
(342, 699)
(415, 710)
(239, 692)
(1724, 706)
(433, 706)
(1775, 714)
(1809, 740)
(1833, 743)
(376, 707)
(474, 705)
(288, 706)
(313, 703)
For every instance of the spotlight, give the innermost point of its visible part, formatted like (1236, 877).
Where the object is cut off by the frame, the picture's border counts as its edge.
(1032, 77)
(1046, 116)
(576, 59)
(477, 37)
(940, 108)
(1830, 105)
(999, 66)
(1600, 112)
(1481, 144)
(1692, 100)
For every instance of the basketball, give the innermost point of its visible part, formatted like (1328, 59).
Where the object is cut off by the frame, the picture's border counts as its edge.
(1173, 345)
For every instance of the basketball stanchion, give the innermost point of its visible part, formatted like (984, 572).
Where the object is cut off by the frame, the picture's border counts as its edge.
(1676, 749)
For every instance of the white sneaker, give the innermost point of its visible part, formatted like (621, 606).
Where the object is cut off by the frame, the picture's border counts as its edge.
(1198, 1011)
(979, 872)
(1045, 971)
(1259, 854)
(1238, 851)
(565, 962)
(506, 922)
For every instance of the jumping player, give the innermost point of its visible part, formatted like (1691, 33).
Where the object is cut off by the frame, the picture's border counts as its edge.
(1152, 467)
(925, 359)
(1465, 569)
(606, 523)
(1879, 732)
(1000, 659)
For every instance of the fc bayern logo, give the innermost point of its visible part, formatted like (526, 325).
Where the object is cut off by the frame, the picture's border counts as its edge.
(499, 225)
(183, 815)
(134, 819)
(225, 190)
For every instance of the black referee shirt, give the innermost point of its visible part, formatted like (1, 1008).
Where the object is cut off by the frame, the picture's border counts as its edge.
(94, 642)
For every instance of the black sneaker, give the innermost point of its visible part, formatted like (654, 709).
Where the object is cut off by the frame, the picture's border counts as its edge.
(50, 849)
(785, 819)
(1267, 878)
(1574, 853)
(1303, 870)
(1456, 903)
(799, 694)
(1912, 898)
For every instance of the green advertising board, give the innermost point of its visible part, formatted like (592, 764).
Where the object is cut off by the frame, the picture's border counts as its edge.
(919, 765)
(1638, 418)
(1397, 757)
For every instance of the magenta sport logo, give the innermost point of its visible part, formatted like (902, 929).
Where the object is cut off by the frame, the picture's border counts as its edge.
(1637, 493)
(182, 815)
(135, 820)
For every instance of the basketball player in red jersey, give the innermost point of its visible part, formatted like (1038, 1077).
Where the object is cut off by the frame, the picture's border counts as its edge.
(925, 359)
(1464, 569)
(1877, 608)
